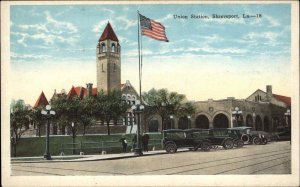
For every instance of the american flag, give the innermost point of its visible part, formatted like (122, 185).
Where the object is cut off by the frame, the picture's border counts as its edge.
(153, 29)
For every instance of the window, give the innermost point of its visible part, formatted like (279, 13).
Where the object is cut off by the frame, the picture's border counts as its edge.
(103, 47)
(113, 47)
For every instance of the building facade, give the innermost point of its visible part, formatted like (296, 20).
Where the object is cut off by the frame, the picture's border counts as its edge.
(261, 110)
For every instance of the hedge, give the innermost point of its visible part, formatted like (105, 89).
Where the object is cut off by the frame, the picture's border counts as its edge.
(89, 144)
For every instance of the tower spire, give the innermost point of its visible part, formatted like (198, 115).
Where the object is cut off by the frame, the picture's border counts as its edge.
(108, 33)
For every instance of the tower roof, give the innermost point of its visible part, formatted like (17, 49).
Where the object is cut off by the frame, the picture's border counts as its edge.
(41, 101)
(108, 33)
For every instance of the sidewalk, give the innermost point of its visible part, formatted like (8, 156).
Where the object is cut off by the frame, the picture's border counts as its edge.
(82, 158)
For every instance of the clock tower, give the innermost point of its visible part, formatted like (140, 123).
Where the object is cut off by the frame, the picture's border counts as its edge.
(108, 57)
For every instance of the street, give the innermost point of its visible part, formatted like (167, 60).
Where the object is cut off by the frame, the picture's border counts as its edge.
(273, 158)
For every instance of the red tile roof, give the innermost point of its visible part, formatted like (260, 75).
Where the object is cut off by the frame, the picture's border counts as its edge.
(82, 92)
(72, 92)
(108, 33)
(285, 99)
(41, 101)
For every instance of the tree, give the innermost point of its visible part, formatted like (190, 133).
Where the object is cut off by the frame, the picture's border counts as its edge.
(37, 119)
(19, 118)
(58, 104)
(166, 103)
(87, 112)
(109, 106)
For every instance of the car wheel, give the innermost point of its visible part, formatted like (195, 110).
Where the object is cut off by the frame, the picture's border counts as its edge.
(171, 148)
(264, 141)
(239, 143)
(256, 141)
(205, 146)
(228, 144)
(245, 138)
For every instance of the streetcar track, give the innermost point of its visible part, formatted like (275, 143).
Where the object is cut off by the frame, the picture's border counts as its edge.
(223, 164)
(38, 172)
(180, 166)
(248, 165)
(270, 167)
(72, 169)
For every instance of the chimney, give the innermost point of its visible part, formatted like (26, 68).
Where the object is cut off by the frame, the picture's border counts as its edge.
(89, 87)
(269, 92)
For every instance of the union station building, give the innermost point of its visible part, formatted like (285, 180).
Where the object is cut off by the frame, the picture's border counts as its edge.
(262, 110)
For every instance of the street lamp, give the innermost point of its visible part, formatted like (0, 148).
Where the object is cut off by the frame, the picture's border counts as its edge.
(171, 117)
(237, 112)
(73, 138)
(253, 120)
(138, 108)
(48, 113)
(163, 105)
(189, 125)
(288, 117)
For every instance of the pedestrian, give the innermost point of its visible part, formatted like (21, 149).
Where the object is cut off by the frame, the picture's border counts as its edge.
(124, 144)
(145, 140)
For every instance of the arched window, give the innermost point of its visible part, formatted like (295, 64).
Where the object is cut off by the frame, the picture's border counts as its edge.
(113, 47)
(103, 47)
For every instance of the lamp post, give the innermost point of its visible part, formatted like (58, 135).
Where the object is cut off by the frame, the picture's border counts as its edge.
(237, 112)
(138, 108)
(171, 118)
(48, 113)
(253, 120)
(189, 123)
(73, 138)
(288, 117)
(163, 105)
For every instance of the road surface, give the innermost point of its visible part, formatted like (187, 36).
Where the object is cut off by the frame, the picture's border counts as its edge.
(273, 158)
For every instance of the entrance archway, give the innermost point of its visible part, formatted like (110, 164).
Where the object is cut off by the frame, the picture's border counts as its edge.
(221, 121)
(266, 124)
(202, 122)
(183, 123)
(258, 123)
(153, 125)
(249, 121)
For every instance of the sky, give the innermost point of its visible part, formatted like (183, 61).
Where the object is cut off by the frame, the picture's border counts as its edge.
(54, 47)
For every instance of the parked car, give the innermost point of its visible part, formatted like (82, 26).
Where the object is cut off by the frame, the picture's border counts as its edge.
(216, 137)
(283, 136)
(237, 142)
(177, 138)
(249, 136)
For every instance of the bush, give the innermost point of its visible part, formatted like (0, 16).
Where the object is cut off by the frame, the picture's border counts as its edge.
(89, 144)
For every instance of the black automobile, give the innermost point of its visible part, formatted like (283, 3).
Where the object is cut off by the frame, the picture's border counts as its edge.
(177, 138)
(249, 136)
(216, 137)
(283, 136)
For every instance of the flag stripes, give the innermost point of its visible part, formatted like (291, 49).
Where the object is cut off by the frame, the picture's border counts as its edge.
(153, 29)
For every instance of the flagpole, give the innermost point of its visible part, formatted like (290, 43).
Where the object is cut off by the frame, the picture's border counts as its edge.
(138, 150)
(139, 48)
